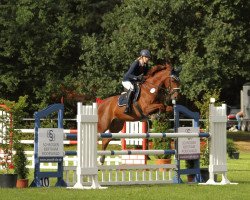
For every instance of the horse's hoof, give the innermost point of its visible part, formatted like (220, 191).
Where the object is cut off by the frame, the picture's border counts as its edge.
(102, 159)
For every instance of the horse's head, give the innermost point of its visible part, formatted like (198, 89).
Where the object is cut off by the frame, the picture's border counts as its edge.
(172, 82)
(167, 80)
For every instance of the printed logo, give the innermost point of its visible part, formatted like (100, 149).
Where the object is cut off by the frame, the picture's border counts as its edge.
(188, 130)
(51, 135)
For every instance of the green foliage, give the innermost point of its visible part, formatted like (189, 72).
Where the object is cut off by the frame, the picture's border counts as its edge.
(203, 104)
(20, 161)
(217, 45)
(48, 123)
(161, 125)
(9, 139)
(191, 34)
(6, 148)
(80, 50)
(189, 164)
(231, 148)
(238, 136)
(40, 46)
(204, 160)
(9, 135)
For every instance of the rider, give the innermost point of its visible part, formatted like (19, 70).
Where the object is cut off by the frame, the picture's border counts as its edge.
(137, 70)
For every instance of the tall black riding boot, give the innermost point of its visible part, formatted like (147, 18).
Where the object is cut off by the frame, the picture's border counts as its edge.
(128, 108)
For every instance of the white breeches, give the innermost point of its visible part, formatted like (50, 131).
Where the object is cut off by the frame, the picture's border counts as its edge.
(128, 85)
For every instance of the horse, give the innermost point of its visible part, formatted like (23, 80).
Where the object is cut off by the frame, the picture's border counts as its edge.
(159, 88)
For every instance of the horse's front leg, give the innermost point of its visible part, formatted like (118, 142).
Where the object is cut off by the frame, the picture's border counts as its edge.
(154, 107)
(169, 108)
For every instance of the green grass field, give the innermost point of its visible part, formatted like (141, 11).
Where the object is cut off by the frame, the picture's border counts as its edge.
(238, 171)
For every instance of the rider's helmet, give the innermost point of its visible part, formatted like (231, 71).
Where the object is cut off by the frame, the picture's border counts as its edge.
(145, 53)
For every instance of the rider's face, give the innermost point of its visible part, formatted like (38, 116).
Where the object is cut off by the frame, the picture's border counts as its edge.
(145, 59)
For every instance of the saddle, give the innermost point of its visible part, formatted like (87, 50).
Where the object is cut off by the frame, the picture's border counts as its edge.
(122, 100)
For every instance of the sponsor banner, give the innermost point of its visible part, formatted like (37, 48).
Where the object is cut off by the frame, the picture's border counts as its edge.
(188, 148)
(50, 143)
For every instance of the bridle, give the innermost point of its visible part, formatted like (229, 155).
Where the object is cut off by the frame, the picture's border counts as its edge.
(168, 90)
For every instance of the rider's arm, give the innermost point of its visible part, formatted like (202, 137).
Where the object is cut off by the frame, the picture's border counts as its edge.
(130, 75)
(146, 69)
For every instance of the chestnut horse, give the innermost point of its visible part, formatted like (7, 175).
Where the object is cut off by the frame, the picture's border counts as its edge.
(160, 86)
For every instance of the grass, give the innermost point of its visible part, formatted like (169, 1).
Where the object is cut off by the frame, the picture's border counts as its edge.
(238, 171)
(133, 192)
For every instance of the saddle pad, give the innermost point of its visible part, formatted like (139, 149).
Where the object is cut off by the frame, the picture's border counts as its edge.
(122, 100)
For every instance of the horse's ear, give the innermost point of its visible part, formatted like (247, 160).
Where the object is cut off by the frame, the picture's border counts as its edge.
(176, 72)
(178, 69)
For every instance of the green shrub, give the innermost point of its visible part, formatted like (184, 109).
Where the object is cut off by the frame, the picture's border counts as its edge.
(20, 162)
(161, 125)
(231, 148)
(204, 160)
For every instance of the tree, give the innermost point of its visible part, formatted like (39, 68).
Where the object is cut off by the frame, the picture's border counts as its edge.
(80, 49)
(204, 38)
(40, 46)
(217, 50)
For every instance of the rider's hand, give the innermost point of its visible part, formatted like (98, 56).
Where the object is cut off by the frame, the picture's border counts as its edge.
(143, 79)
(140, 77)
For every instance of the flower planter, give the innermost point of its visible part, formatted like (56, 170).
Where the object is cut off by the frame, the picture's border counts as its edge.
(22, 183)
(163, 161)
(190, 178)
(235, 155)
(8, 180)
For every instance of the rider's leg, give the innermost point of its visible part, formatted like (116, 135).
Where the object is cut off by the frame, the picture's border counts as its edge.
(130, 87)
(128, 106)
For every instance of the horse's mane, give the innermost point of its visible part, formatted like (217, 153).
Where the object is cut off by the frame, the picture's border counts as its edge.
(156, 69)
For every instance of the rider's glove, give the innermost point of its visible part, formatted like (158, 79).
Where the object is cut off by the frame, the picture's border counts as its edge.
(140, 77)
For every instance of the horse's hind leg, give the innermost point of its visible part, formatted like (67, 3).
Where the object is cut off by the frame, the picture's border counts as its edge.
(105, 143)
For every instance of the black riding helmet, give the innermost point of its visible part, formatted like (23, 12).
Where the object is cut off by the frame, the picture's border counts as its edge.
(145, 53)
